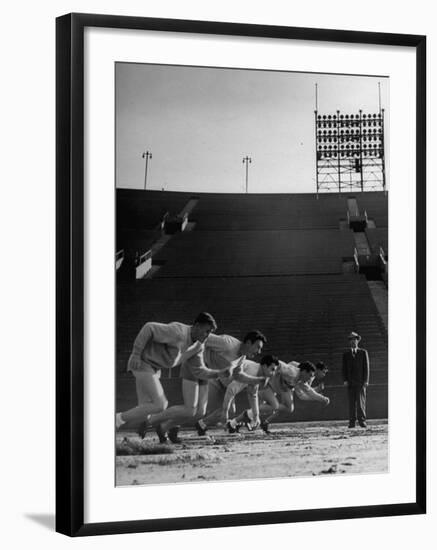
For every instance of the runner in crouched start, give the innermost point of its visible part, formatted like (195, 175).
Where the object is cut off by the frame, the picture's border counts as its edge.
(223, 351)
(277, 397)
(160, 346)
(195, 375)
(261, 373)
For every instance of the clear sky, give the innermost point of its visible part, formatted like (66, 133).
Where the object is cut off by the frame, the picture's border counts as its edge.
(199, 123)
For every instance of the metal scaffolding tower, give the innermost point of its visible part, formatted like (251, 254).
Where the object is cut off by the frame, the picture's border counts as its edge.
(349, 152)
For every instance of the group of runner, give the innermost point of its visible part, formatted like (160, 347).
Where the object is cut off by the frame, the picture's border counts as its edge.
(214, 370)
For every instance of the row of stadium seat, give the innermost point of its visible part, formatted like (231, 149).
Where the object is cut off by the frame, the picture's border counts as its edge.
(137, 209)
(303, 317)
(245, 253)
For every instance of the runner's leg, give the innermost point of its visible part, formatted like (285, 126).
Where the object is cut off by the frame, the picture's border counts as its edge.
(269, 396)
(203, 401)
(141, 388)
(216, 393)
(150, 388)
(286, 400)
(180, 414)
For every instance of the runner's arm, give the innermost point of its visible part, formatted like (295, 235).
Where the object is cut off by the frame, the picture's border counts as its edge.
(204, 373)
(306, 393)
(199, 369)
(240, 375)
(244, 378)
(195, 348)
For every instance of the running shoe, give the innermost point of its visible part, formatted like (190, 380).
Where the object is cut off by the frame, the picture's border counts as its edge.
(173, 435)
(201, 427)
(247, 421)
(233, 427)
(265, 427)
(143, 427)
(162, 436)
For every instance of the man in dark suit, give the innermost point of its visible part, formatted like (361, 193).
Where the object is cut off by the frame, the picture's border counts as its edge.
(356, 378)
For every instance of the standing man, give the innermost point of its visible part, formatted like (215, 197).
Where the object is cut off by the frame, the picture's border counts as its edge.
(356, 378)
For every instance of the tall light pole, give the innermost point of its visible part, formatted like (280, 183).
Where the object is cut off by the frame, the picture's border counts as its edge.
(247, 160)
(147, 155)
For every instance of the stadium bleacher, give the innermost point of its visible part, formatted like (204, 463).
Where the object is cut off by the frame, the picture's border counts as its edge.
(268, 212)
(274, 264)
(245, 253)
(145, 210)
(219, 211)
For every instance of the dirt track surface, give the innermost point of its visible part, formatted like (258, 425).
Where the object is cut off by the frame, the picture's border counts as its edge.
(297, 449)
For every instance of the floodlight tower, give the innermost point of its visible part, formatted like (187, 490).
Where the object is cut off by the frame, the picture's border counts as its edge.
(349, 151)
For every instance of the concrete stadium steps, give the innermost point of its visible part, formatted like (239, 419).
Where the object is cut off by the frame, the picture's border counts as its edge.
(139, 209)
(240, 211)
(377, 398)
(244, 253)
(267, 212)
(303, 317)
(361, 243)
(376, 206)
(378, 237)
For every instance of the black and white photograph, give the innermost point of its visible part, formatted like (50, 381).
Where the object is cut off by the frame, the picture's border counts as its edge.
(251, 263)
(206, 341)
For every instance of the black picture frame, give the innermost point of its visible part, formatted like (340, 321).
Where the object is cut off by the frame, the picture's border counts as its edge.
(70, 272)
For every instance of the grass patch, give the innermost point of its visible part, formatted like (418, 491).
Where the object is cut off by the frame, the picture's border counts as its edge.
(195, 459)
(132, 447)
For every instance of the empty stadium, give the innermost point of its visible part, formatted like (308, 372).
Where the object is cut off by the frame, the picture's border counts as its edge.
(302, 268)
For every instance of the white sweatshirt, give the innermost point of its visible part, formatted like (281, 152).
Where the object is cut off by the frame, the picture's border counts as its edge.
(160, 345)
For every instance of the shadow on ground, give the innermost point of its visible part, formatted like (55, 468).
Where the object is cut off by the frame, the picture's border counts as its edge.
(46, 520)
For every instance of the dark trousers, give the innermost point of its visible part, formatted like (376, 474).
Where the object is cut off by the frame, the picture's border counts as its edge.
(357, 403)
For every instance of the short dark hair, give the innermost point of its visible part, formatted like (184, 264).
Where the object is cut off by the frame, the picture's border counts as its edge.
(205, 318)
(307, 366)
(253, 336)
(269, 359)
(321, 366)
